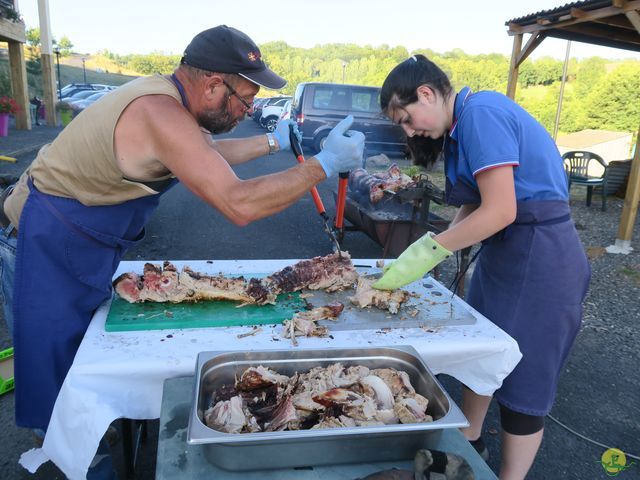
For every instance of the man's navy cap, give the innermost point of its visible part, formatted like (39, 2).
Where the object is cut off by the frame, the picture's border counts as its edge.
(227, 50)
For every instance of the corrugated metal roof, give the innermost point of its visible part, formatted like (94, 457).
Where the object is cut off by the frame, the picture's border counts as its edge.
(559, 11)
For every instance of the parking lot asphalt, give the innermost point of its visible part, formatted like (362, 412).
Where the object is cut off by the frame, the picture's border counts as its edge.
(598, 393)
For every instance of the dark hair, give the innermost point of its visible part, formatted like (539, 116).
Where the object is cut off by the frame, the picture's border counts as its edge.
(401, 85)
(400, 88)
(425, 151)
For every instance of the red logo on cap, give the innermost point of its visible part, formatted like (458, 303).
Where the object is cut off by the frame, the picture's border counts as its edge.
(253, 56)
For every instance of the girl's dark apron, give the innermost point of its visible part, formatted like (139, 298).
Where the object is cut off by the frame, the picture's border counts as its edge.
(530, 280)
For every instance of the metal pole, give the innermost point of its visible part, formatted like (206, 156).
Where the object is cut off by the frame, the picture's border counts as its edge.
(57, 52)
(562, 82)
(344, 66)
(84, 71)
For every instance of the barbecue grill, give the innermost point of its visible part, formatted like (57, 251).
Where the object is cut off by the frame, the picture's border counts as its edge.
(398, 219)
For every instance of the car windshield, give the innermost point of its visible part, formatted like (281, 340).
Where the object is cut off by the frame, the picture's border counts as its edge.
(82, 94)
(96, 96)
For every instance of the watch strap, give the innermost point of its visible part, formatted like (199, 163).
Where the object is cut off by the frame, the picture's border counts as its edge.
(272, 143)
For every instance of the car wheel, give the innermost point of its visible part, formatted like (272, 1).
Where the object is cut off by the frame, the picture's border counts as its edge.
(318, 142)
(270, 123)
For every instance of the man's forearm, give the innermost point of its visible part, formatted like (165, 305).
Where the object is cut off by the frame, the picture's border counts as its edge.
(240, 150)
(256, 198)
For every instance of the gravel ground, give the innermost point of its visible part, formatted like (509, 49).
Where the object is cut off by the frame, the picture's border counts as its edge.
(598, 391)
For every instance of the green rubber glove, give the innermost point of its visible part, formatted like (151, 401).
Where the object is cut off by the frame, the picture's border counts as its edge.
(419, 258)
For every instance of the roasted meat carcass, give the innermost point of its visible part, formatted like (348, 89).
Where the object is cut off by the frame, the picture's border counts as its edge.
(167, 285)
(332, 272)
(378, 183)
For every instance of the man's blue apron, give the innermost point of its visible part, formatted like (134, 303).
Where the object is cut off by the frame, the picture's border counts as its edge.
(66, 256)
(530, 280)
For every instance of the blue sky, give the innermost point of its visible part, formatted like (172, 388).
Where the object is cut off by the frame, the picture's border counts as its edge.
(143, 26)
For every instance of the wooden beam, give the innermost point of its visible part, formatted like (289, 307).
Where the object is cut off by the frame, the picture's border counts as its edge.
(578, 13)
(631, 199)
(513, 67)
(634, 18)
(594, 31)
(589, 15)
(619, 3)
(620, 21)
(12, 31)
(533, 42)
(19, 85)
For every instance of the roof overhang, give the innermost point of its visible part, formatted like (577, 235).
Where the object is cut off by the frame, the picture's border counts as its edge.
(609, 23)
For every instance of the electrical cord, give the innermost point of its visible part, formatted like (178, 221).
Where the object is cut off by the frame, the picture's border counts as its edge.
(590, 440)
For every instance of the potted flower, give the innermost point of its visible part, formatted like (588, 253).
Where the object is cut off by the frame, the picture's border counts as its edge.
(66, 112)
(8, 106)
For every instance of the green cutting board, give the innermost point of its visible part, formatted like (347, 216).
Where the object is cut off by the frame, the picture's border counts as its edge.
(124, 316)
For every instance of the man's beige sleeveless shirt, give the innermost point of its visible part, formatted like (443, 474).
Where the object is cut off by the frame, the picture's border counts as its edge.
(81, 163)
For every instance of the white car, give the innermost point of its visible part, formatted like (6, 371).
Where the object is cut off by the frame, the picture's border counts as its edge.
(271, 114)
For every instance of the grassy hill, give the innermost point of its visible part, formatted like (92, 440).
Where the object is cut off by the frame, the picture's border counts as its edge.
(71, 71)
(71, 74)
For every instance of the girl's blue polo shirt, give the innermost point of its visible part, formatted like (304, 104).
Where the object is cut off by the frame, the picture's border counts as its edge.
(491, 130)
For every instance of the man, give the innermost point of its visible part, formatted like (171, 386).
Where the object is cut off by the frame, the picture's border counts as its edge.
(86, 198)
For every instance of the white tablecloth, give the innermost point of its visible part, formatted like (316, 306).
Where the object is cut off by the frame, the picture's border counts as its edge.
(120, 375)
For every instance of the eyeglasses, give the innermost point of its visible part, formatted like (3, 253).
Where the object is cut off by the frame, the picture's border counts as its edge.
(248, 106)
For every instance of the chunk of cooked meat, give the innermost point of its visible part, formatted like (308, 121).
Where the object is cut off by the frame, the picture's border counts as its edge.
(383, 299)
(303, 324)
(259, 377)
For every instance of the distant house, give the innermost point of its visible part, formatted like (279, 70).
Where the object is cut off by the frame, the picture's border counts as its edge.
(609, 145)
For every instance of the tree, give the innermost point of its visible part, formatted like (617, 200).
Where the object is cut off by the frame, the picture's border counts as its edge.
(33, 37)
(65, 46)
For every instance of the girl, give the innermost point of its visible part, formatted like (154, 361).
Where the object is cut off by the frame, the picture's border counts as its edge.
(505, 173)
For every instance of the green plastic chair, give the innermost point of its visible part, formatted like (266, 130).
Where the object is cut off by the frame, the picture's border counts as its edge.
(576, 164)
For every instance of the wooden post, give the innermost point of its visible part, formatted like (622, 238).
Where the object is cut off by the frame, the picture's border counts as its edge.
(630, 208)
(46, 56)
(49, 87)
(513, 67)
(19, 84)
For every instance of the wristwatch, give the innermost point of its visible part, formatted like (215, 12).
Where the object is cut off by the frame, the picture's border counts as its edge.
(273, 147)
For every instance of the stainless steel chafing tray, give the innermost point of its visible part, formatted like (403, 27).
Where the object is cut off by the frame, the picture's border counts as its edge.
(267, 450)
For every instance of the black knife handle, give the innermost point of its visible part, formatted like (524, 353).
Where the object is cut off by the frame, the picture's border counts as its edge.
(293, 139)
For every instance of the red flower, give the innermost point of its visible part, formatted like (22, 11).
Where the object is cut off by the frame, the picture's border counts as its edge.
(8, 105)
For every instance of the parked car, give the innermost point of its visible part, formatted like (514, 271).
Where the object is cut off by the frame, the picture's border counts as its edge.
(257, 105)
(80, 95)
(79, 105)
(286, 111)
(257, 111)
(318, 107)
(73, 88)
(271, 113)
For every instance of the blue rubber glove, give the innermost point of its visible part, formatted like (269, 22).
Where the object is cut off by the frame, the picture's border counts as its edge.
(419, 258)
(343, 149)
(282, 133)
